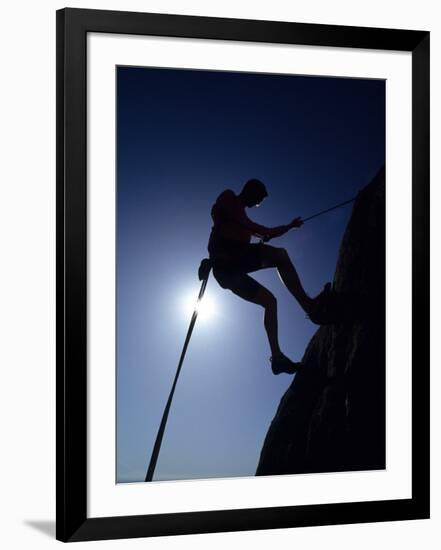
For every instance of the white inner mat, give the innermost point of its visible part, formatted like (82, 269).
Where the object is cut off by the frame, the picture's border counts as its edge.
(105, 497)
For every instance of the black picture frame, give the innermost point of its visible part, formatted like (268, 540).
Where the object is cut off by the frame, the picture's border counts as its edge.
(72, 522)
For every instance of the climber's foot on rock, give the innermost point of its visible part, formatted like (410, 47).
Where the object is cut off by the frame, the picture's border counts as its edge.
(282, 363)
(319, 312)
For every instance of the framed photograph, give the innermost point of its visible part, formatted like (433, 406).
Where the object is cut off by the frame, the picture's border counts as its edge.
(242, 274)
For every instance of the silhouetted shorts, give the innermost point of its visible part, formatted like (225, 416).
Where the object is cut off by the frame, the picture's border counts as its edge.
(232, 265)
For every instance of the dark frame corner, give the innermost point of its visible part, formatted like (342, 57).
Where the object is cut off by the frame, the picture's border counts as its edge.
(72, 523)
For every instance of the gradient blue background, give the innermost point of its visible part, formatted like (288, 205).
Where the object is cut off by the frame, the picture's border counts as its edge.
(183, 136)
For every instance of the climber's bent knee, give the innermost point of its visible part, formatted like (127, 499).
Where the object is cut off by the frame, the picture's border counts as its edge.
(266, 298)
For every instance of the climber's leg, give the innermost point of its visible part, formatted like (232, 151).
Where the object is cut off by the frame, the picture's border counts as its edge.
(249, 289)
(317, 308)
(278, 257)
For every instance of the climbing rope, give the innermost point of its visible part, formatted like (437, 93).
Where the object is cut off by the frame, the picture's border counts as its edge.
(265, 238)
(204, 273)
(328, 210)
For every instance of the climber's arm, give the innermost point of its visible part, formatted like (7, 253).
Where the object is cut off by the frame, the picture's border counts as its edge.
(231, 210)
(261, 230)
(282, 229)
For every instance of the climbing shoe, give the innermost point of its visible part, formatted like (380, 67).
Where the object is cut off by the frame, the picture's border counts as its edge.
(284, 364)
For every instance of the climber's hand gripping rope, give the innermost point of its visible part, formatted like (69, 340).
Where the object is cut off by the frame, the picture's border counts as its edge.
(297, 222)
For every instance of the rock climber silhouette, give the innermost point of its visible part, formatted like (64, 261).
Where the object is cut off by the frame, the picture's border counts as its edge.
(233, 257)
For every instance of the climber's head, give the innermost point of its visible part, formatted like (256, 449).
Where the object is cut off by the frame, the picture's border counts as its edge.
(253, 193)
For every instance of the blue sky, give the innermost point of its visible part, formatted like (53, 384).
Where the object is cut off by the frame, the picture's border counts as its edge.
(183, 136)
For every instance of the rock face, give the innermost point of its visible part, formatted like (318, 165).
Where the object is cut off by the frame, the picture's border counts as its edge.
(332, 417)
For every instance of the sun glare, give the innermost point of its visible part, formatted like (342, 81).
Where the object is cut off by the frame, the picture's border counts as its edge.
(206, 308)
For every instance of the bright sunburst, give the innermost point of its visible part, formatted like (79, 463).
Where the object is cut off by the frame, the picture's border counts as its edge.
(206, 307)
